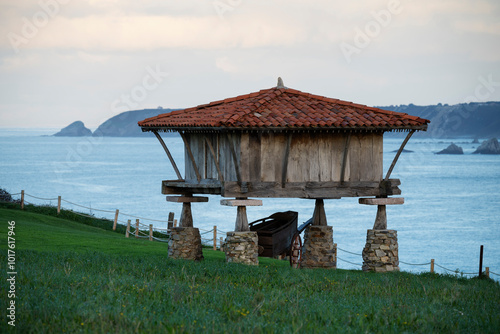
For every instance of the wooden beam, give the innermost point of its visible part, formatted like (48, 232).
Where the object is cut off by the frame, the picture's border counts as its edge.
(171, 187)
(344, 158)
(172, 161)
(284, 169)
(191, 156)
(214, 156)
(235, 158)
(398, 154)
(325, 190)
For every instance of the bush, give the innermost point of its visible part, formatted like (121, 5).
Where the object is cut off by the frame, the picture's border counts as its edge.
(5, 196)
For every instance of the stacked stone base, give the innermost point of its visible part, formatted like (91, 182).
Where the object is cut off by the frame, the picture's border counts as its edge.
(242, 247)
(185, 243)
(318, 250)
(381, 251)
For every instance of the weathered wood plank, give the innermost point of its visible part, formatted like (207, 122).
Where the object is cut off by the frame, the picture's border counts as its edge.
(310, 189)
(285, 159)
(245, 156)
(232, 160)
(382, 201)
(214, 158)
(190, 155)
(268, 157)
(241, 202)
(345, 159)
(187, 199)
(254, 163)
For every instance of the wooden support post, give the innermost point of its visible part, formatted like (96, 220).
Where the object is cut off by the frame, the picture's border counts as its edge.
(186, 215)
(172, 161)
(481, 261)
(116, 219)
(241, 224)
(170, 220)
(381, 218)
(221, 241)
(186, 219)
(432, 266)
(215, 237)
(22, 199)
(487, 272)
(398, 154)
(175, 222)
(127, 232)
(319, 216)
(58, 204)
(150, 232)
(137, 228)
(381, 202)
(241, 219)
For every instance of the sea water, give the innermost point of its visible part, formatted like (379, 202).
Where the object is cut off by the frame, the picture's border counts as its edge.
(452, 202)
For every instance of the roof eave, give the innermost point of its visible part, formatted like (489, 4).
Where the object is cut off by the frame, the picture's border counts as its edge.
(281, 129)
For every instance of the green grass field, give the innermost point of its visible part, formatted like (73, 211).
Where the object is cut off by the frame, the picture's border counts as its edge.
(76, 278)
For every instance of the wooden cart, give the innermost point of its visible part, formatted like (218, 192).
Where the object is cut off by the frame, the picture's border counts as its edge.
(275, 232)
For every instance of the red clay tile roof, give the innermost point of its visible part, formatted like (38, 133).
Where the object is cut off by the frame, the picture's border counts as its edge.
(283, 108)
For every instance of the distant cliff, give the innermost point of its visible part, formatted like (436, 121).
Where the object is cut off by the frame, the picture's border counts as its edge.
(474, 120)
(125, 124)
(75, 129)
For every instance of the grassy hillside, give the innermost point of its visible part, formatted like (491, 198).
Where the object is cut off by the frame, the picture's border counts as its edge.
(77, 278)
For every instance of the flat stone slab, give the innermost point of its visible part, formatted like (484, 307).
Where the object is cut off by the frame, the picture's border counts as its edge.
(241, 202)
(382, 201)
(187, 199)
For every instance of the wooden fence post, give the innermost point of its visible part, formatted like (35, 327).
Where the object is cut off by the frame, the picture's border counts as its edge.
(116, 219)
(127, 233)
(22, 199)
(221, 240)
(432, 266)
(487, 272)
(137, 228)
(150, 232)
(175, 222)
(58, 204)
(170, 220)
(215, 237)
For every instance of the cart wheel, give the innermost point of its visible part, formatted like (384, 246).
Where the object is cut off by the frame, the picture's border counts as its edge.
(296, 251)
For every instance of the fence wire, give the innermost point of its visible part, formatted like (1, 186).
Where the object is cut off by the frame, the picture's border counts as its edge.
(204, 240)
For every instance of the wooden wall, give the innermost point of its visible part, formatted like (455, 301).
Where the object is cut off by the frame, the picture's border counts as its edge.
(313, 157)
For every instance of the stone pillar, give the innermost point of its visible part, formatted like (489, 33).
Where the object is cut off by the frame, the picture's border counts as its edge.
(381, 251)
(185, 243)
(242, 247)
(318, 250)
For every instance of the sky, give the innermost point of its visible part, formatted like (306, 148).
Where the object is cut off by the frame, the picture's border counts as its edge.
(88, 60)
